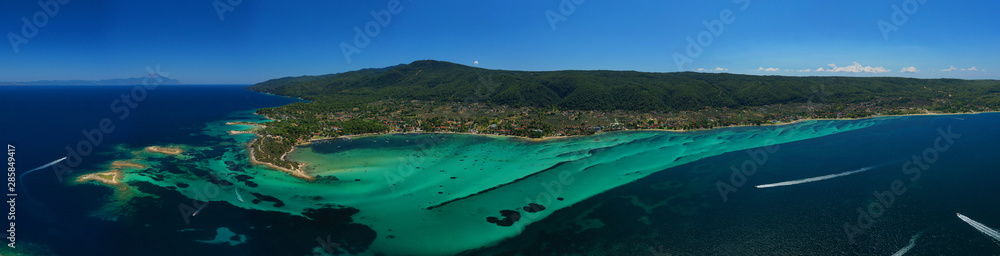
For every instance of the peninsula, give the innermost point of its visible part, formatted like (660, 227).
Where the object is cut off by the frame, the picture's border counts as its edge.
(436, 96)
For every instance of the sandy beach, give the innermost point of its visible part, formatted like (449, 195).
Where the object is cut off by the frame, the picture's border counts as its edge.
(247, 123)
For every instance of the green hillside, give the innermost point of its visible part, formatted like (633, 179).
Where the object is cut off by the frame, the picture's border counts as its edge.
(434, 96)
(611, 90)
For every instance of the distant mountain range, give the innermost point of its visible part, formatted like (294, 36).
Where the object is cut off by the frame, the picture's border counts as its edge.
(122, 81)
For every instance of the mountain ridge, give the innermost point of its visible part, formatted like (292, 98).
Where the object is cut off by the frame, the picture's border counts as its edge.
(118, 81)
(610, 90)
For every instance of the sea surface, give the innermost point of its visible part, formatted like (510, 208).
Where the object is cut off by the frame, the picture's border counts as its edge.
(622, 193)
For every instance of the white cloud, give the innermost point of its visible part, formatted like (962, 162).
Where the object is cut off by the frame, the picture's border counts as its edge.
(475, 63)
(857, 68)
(820, 70)
(804, 70)
(909, 70)
(768, 69)
(953, 68)
(716, 69)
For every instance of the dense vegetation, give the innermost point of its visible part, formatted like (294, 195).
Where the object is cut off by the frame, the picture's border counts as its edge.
(612, 90)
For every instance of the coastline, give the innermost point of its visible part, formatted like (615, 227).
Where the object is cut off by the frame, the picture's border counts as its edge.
(355, 136)
(812, 119)
(97, 177)
(297, 172)
(300, 172)
(363, 135)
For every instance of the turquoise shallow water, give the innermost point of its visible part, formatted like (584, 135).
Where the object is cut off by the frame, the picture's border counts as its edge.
(443, 194)
(679, 211)
(451, 183)
(431, 194)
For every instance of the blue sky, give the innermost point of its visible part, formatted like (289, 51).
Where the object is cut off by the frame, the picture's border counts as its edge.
(259, 40)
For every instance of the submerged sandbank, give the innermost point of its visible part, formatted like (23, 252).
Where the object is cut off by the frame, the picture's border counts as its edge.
(127, 164)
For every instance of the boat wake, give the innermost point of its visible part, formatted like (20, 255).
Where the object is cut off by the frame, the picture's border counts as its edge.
(25, 187)
(44, 166)
(238, 197)
(199, 209)
(813, 179)
(982, 228)
(913, 242)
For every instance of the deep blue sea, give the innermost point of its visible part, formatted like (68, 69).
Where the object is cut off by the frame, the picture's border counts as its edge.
(41, 121)
(678, 211)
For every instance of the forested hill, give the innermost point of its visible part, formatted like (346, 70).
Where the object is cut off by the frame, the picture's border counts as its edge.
(612, 90)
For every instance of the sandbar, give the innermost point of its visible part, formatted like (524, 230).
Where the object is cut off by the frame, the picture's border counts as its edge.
(165, 150)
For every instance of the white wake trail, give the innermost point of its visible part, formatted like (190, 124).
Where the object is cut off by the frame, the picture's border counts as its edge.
(44, 166)
(238, 194)
(24, 186)
(200, 208)
(913, 242)
(807, 180)
(982, 228)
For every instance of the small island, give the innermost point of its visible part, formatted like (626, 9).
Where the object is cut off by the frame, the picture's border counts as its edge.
(165, 150)
(119, 164)
(113, 176)
(108, 178)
